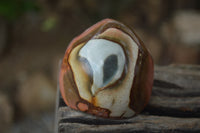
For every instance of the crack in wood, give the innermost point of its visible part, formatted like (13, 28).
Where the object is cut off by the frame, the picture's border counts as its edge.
(93, 121)
(164, 84)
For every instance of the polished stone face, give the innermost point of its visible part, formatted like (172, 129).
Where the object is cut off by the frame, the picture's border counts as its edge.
(107, 71)
(106, 62)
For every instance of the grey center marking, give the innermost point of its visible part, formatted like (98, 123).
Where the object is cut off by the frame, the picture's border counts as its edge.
(110, 68)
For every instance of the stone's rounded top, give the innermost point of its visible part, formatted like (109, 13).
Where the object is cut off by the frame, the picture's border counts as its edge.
(107, 71)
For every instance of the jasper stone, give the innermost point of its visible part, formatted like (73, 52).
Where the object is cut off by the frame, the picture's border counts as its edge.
(107, 71)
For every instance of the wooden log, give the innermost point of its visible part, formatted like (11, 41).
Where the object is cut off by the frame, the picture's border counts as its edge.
(174, 107)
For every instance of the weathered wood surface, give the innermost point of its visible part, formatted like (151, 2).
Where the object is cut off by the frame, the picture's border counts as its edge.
(174, 107)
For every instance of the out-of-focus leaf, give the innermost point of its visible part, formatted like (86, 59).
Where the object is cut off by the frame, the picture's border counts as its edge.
(49, 24)
(12, 9)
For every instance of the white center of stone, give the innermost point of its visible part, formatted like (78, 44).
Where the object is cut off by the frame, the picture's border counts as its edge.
(106, 59)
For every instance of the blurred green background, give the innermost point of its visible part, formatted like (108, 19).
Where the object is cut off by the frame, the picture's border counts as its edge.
(34, 35)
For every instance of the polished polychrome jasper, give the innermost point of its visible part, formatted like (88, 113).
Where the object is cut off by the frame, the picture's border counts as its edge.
(107, 71)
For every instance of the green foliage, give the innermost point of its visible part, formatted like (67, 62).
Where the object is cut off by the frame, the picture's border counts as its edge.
(12, 9)
(49, 24)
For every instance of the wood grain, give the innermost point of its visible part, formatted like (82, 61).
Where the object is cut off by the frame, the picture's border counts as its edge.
(174, 107)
